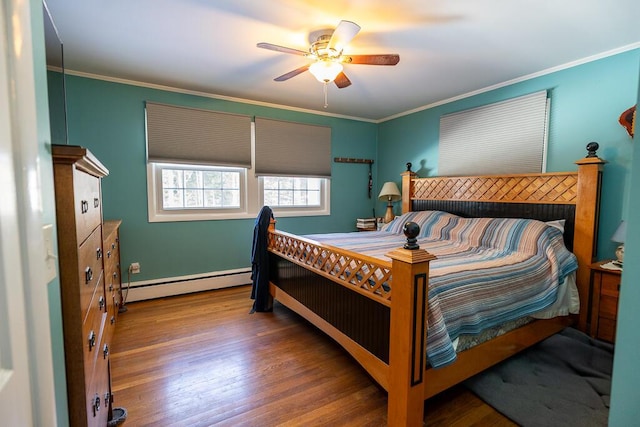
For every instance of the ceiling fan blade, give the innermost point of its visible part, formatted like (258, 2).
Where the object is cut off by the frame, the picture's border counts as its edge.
(342, 81)
(387, 59)
(293, 73)
(342, 35)
(282, 49)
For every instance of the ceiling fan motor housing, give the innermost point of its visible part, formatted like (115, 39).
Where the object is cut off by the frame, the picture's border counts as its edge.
(320, 48)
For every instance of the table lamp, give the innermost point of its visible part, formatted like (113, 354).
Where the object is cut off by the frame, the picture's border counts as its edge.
(389, 193)
(618, 237)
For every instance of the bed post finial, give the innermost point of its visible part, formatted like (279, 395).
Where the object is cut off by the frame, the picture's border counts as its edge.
(409, 166)
(411, 230)
(592, 147)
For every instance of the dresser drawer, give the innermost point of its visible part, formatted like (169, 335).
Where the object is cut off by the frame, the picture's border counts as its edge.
(98, 391)
(88, 209)
(113, 281)
(89, 268)
(92, 333)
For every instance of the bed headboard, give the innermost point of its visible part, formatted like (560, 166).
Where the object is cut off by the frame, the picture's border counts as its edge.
(572, 196)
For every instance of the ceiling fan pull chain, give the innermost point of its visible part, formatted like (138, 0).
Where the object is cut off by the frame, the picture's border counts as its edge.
(326, 103)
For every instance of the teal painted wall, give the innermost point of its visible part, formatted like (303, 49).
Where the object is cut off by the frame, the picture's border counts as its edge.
(108, 118)
(586, 102)
(625, 393)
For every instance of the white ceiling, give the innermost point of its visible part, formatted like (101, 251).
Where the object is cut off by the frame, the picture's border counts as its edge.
(447, 48)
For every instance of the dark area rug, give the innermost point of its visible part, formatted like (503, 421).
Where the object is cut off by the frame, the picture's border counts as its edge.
(563, 381)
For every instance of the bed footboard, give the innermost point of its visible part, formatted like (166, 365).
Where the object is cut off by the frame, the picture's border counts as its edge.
(324, 284)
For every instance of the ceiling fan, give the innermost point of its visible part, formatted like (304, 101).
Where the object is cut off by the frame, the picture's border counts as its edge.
(326, 52)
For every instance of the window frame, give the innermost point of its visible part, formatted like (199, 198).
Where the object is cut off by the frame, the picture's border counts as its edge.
(251, 198)
(286, 211)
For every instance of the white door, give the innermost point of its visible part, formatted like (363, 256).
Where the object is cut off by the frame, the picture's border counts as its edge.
(15, 391)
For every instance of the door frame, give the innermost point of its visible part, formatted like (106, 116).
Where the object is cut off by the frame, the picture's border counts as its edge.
(23, 68)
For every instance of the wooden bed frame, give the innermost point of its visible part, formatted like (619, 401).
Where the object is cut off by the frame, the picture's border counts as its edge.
(385, 329)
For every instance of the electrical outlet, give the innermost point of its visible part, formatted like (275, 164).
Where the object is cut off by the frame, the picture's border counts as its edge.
(134, 268)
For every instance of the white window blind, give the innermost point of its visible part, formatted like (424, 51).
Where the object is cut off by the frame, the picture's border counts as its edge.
(195, 136)
(292, 149)
(504, 137)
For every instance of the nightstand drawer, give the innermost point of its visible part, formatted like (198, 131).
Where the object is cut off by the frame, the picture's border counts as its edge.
(610, 285)
(608, 307)
(606, 329)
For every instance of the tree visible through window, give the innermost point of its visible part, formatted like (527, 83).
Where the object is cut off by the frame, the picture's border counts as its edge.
(200, 189)
(292, 192)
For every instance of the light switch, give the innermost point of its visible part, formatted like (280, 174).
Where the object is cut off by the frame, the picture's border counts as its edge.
(50, 258)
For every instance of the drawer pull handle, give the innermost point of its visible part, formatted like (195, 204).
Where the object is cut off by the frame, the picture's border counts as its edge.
(108, 398)
(96, 202)
(92, 340)
(101, 303)
(88, 275)
(113, 246)
(110, 287)
(113, 319)
(105, 351)
(84, 206)
(115, 274)
(98, 253)
(108, 254)
(96, 405)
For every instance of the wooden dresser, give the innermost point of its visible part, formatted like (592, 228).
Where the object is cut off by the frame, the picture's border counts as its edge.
(87, 324)
(112, 279)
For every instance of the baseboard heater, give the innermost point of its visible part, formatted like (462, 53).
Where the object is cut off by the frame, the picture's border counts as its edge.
(158, 288)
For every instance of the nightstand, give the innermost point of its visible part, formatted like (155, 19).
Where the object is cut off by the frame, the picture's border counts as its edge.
(605, 291)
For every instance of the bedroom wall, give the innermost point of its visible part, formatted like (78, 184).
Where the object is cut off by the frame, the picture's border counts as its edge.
(108, 118)
(586, 101)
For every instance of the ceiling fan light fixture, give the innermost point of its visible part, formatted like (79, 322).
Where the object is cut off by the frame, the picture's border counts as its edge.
(325, 71)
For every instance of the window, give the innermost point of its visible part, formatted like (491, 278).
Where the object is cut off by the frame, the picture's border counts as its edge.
(179, 192)
(504, 137)
(201, 165)
(299, 192)
(295, 196)
(200, 188)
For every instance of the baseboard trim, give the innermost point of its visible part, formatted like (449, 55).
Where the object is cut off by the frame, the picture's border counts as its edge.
(171, 286)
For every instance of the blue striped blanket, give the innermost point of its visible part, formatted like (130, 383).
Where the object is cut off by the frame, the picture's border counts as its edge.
(488, 270)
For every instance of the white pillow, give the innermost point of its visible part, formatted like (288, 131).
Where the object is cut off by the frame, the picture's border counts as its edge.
(557, 223)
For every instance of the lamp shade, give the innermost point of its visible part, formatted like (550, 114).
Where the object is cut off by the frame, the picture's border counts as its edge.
(390, 192)
(620, 233)
(325, 71)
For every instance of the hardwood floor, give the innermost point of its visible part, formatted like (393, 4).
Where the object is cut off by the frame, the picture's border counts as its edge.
(203, 360)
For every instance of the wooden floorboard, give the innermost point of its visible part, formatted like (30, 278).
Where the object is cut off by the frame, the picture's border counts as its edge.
(201, 360)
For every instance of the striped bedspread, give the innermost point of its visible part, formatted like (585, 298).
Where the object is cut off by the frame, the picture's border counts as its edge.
(488, 270)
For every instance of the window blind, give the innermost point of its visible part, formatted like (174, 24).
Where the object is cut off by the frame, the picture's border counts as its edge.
(189, 135)
(292, 149)
(504, 137)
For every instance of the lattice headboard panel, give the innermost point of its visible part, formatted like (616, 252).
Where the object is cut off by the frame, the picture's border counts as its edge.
(535, 188)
